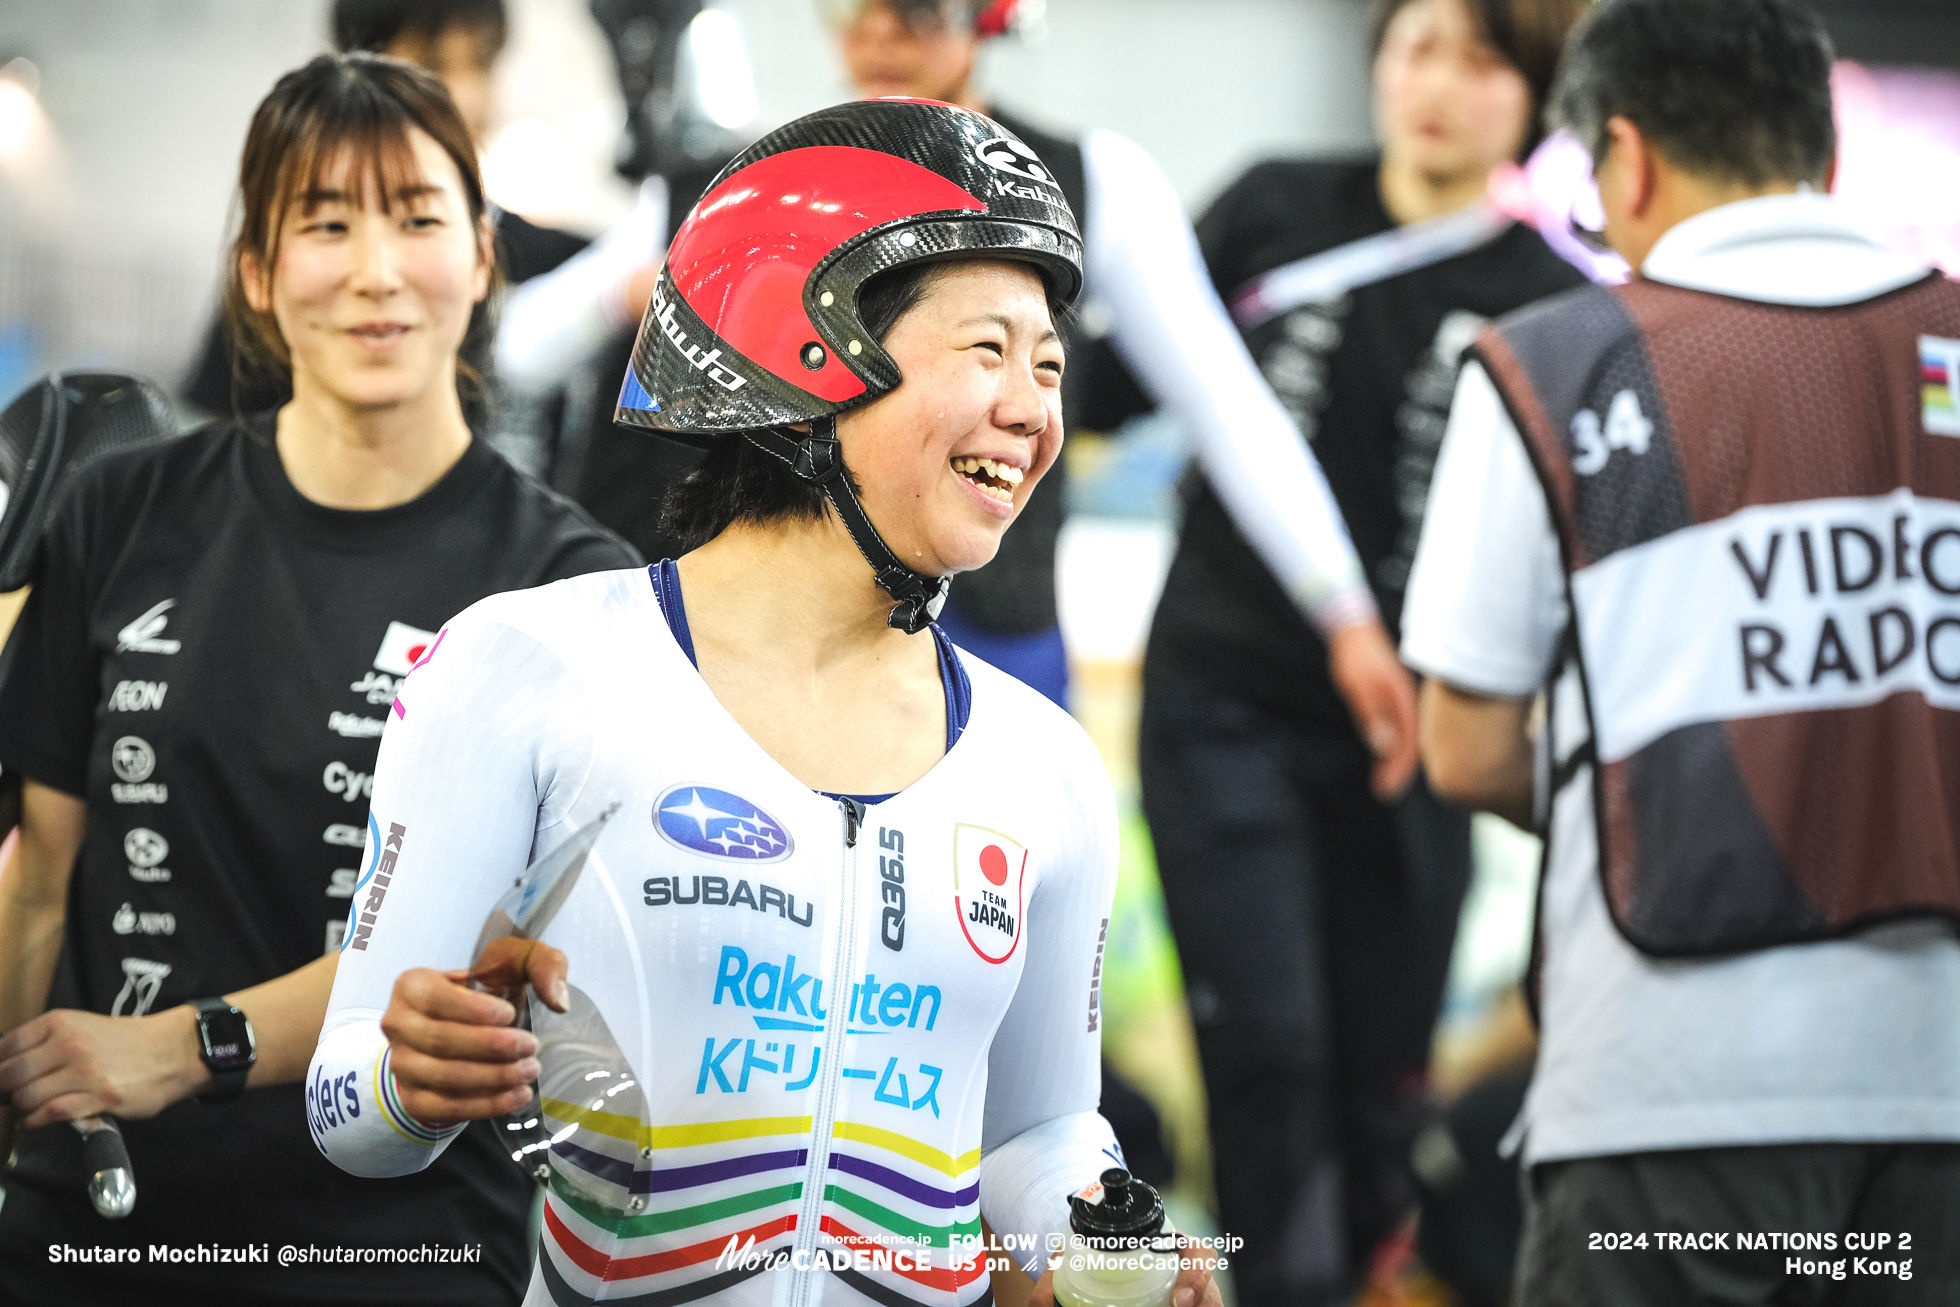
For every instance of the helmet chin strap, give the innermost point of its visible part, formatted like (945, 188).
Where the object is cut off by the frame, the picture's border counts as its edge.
(818, 460)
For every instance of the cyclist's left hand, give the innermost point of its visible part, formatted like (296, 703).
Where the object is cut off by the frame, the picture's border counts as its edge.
(64, 1065)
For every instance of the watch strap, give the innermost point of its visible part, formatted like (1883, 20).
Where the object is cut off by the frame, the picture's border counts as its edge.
(225, 1084)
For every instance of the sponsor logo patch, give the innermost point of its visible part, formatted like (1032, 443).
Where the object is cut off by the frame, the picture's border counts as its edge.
(144, 847)
(128, 921)
(715, 892)
(355, 727)
(667, 316)
(347, 837)
(137, 696)
(133, 759)
(401, 647)
(988, 868)
(1939, 390)
(891, 888)
(349, 784)
(145, 634)
(1095, 978)
(146, 850)
(1004, 154)
(332, 1101)
(381, 873)
(141, 980)
(722, 825)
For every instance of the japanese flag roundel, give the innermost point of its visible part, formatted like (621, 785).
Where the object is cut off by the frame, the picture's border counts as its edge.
(987, 872)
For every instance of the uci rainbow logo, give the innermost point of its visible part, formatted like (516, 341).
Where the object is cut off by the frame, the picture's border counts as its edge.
(1939, 385)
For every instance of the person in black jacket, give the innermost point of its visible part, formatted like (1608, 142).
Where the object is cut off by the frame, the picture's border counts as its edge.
(195, 693)
(1314, 920)
(1152, 332)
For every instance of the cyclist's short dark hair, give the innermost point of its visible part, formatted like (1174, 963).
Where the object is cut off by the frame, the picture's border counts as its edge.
(374, 25)
(1733, 90)
(1528, 33)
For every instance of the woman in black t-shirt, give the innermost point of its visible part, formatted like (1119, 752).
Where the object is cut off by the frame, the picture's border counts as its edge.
(1313, 920)
(195, 693)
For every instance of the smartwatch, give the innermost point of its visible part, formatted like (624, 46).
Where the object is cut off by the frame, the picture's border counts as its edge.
(227, 1046)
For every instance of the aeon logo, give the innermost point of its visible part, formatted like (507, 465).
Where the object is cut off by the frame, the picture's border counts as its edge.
(720, 824)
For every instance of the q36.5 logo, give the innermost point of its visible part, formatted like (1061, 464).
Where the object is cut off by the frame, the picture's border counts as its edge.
(1005, 154)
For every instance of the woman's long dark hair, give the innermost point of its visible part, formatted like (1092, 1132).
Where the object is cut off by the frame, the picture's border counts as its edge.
(358, 107)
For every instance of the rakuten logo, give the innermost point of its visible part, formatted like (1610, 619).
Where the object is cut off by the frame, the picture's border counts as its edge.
(767, 987)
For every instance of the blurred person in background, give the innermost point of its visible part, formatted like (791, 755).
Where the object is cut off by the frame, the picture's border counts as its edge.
(1146, 281)
(195, 693)
(574, 327)
(1711, 517)
(1314, 912)
(459, 41)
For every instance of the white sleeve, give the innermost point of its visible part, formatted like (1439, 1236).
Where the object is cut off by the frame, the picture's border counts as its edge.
(1171, 329)
(550, 324)
(1486, 597)
(1043, 1138)
(481, 755)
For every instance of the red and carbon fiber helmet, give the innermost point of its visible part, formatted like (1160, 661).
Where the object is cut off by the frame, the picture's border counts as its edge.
(754, 322)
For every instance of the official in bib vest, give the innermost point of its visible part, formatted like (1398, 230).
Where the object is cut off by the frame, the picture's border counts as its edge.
(1712, 517)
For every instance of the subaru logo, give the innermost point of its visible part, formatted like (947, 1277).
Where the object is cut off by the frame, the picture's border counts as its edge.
(720, 824)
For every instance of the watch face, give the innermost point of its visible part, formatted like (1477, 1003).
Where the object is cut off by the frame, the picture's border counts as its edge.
(227, 1038)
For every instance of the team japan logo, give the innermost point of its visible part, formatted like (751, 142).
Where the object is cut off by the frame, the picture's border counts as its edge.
(988, 868)
(719, 824)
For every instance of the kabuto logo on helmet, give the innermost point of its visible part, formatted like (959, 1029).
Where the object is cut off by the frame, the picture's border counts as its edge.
(1005, 154)
(664, 313)
(759, 296)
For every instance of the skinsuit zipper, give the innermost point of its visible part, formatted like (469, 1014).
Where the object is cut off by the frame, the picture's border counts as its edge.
(809, 1220)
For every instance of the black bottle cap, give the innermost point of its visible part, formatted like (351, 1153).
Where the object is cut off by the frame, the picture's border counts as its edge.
(1130, 1209)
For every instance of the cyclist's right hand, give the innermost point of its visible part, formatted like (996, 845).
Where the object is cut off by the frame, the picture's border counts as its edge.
(454, 1053)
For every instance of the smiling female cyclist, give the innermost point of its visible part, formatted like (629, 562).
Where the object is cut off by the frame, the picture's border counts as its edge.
(834, 964)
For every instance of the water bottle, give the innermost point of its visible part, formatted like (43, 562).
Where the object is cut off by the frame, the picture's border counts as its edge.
(1118, 1254)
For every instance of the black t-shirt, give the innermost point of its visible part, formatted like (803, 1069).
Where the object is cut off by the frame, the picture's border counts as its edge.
(208, 658)
(1369, 379)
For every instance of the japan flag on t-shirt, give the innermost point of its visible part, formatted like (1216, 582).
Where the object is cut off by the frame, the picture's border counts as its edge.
(401, 647)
